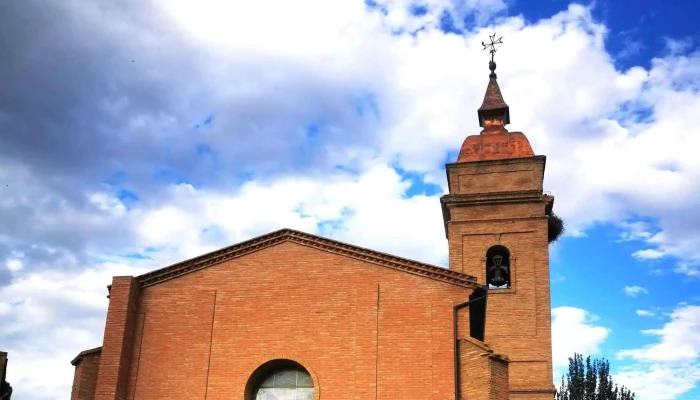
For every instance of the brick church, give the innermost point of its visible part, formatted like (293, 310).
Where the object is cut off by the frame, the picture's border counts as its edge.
(290, 315)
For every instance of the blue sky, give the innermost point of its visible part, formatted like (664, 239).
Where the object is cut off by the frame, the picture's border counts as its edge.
(638, 29)
(180, 127)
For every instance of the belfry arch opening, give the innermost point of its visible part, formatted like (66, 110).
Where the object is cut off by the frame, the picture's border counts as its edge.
(498, 270)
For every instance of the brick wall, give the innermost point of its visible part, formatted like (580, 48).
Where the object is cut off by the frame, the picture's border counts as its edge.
(500, 386)
(497, 176)
(474, 374)
(85, 376)
(363, 331)
(484, 374)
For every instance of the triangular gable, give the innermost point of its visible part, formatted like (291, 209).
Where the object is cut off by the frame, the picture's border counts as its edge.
(313, 241)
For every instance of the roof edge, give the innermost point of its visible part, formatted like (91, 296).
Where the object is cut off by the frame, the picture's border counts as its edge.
(487, 350)
(514, 160)
(84, 353)
(306, 239)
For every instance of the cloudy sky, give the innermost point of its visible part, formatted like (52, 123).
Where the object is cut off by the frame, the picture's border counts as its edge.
(136, 133)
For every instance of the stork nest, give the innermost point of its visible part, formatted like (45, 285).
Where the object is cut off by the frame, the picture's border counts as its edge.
(555, 227)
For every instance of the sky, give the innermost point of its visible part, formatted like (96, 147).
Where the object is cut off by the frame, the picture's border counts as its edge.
(137, 133)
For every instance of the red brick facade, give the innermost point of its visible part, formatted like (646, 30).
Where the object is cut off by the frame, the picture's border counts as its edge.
(365, 325)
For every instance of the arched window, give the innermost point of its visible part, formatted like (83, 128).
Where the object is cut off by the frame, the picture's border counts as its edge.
(281, 380)
(498, 267)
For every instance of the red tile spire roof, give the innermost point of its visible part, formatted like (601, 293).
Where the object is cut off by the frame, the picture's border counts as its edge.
(494, 142)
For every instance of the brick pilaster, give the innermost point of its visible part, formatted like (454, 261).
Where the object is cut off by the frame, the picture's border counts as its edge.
(484, 374)
(112, 378)
(87, 365)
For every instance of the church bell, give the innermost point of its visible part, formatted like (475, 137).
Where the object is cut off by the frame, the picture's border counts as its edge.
(498, 273)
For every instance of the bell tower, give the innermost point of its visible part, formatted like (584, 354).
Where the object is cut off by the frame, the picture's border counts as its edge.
(498, 223)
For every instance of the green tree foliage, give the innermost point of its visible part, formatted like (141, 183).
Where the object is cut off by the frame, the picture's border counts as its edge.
(590, 380)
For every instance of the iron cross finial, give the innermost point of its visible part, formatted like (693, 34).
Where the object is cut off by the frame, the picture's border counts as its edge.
(492, 45)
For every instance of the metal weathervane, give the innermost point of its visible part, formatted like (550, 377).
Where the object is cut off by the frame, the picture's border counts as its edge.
(492, 45)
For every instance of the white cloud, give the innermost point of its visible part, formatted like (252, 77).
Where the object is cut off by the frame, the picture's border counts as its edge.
(56, 315)
(679, 339)
(426, 85)
(688, 268)
(648, 254)
(645, 313)
(678, 46)
(338, 203)
(637, 230)
(14, 264)
(669, 367)
(634, 291)
(574, 331)
(659, 382)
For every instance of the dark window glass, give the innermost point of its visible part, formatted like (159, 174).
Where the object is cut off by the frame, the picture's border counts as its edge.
(286, 384)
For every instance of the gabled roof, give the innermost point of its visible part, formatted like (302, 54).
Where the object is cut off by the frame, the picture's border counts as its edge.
(313, 241)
